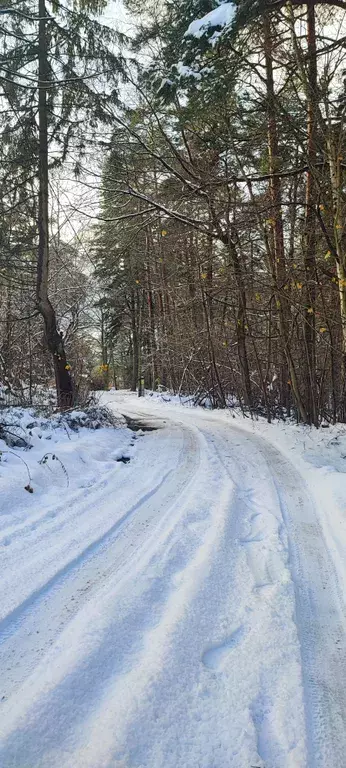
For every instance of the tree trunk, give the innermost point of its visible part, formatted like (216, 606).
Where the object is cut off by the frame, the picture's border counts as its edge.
(241, 323)
(336, 178)
(151, 309)
(134, 334)
(219, 396)
(310, 221)
(104, 352)
(54, 339)
(278, 259)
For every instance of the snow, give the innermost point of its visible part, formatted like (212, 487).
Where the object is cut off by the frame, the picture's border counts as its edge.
(222, 16)
(185, 71)
(184, 609)
(41, 524)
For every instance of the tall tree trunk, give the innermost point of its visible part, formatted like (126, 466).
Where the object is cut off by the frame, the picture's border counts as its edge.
(141, 383)
(151, 310)
(104, 352)
(134, 336)
(310, 220)
(336, 177)
(64, 388)
(278, 256)
(241, 323)
(278, 259)
(7, 343)
(219, 396)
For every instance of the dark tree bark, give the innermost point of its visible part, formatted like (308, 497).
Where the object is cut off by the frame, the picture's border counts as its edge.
(241, 323)
(134, 336)
(278, 265)
(310, 220)
(55, 343)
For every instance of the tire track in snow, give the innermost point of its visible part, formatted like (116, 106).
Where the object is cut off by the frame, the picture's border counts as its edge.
(154, 621)
(52, 605)
(8, 623)
(320, 610)
(196, 713)
(225, 663)
(320, 617)
(51, 545)
(320, 607)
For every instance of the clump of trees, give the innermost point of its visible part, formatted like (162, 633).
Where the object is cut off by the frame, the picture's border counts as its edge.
(57, 75)
(222, 245)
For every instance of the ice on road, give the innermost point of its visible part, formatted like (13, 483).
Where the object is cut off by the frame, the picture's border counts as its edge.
(185, 611)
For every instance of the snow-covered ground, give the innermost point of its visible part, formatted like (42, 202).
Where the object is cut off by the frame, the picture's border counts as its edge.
(182, 610)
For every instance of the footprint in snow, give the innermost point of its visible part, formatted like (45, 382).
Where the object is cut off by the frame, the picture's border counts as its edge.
(216, 656)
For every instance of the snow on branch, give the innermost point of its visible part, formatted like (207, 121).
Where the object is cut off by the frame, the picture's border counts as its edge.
(221, 17)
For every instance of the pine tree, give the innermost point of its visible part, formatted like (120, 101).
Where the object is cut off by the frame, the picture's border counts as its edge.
(59, 71)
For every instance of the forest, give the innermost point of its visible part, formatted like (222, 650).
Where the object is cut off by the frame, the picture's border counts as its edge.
(173, 202)
(172, 383)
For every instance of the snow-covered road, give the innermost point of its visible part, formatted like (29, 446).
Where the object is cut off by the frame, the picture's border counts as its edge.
(184, 612)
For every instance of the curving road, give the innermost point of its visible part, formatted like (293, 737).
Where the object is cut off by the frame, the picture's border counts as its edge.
(187, 614)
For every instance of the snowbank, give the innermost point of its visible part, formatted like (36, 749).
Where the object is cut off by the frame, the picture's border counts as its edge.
(46, 455)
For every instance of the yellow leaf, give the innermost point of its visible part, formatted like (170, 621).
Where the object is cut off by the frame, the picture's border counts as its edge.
(328, 255)
(163, 232)
(310, 311)
(258, 296)
(322, 329)
(137, 282)
(204, 275)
